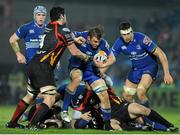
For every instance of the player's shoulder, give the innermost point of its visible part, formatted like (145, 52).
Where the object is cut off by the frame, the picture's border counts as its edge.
(27, 25)
(104, 43)
(139, 35)
(119, 41)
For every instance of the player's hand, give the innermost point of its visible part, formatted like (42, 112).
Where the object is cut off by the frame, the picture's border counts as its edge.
(168, 79)
(20, 58)
(80, 40)
(86, 116)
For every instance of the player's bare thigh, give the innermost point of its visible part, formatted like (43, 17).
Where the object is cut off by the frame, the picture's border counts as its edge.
(146, 81)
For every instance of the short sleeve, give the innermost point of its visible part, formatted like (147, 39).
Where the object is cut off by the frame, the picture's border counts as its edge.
(116, 48)
(21, 31)
(148, 44)
(83, 34)
(68, 35)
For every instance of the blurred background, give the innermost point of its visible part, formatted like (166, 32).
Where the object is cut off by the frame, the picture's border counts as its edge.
(159, 19)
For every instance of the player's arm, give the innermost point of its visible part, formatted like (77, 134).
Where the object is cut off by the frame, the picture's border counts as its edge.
(103, 67)
(15, 46)
(72, 47)
(80, 37)
(76, 52)
(164, 62)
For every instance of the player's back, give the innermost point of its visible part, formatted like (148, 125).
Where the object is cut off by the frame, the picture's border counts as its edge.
(55, 40)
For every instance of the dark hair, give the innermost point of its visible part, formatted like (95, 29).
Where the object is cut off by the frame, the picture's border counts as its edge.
(96, 31)
(124, 26)
(55, 13)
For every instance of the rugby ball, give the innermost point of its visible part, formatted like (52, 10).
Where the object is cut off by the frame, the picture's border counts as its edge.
(101, 56)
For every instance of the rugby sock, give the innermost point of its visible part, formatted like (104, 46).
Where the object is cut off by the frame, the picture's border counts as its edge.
(21, 107)
(106, 114)
(155, 125)
(154, 116)
(40, 112)
(80, 123)
(67, 99)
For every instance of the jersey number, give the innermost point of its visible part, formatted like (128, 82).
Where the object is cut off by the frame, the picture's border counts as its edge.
(42, 41)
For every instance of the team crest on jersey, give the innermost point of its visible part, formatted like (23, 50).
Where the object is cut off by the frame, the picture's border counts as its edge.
(147, 40)
(31, 31)
(89, 53)
(107, 45)
(133, 53)
(80, 97)
(123, 47)
(66, 29)
(138, 47)
(83, 45)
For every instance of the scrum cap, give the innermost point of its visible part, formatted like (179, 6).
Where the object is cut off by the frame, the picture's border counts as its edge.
(39, 9)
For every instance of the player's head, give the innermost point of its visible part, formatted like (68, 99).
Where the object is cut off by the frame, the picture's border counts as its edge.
(126, 31)
(94, 36)
(58, 14)
(39, 14)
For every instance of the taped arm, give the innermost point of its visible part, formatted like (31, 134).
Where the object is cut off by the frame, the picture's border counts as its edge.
(14, 43)
(76, 52)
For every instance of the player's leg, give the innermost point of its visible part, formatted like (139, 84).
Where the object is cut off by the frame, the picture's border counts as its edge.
(100, 88)
(129, 90)
(48, 93)
(76, 78)
(135, 110)
(143, 87)
(21, 107)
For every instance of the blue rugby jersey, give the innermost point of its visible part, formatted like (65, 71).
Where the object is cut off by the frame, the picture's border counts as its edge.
(31, 33)
(139, 50)
(87, 49)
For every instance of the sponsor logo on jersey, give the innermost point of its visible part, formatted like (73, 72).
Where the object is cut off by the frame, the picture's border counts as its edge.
(133, 53)
(147, 40)
(123, 47)
(83, 45)
(138, 47)
(31, 31)
(106, 45)
(66, 29)
(89, 53)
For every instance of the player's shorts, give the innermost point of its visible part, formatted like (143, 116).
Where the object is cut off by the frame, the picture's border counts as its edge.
(75, 63)
(40, 74)
(90, 77)
(135, 75)
(120, 112)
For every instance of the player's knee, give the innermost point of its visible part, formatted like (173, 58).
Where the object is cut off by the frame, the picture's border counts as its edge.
(48, 92)
(28, 98)
(49, 100)
(100, 89)
(103, 96)
(141, 92)
(129, 91)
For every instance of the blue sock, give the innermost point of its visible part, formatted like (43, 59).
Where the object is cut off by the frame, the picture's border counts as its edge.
(81, 123)
(106, 114)
(67, 99)
(155, 125)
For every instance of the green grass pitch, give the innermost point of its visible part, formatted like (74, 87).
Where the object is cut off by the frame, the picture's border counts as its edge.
(6, 112)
